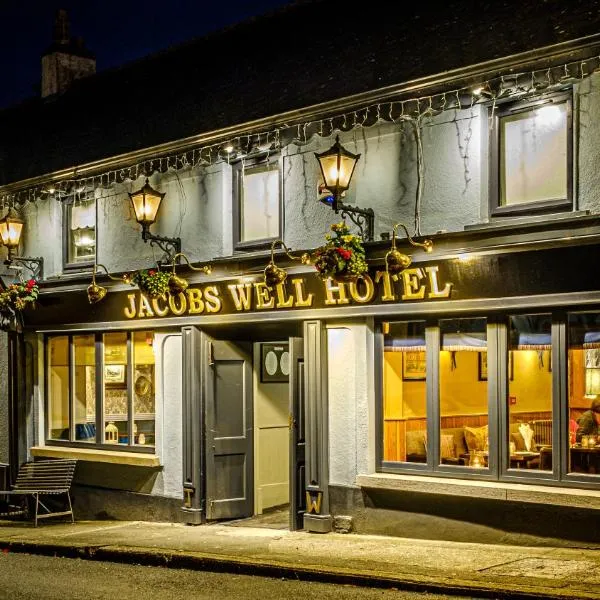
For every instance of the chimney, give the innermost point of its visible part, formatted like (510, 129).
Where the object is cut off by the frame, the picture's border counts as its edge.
(66, 60)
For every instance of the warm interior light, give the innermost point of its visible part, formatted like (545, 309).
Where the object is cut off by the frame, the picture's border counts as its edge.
(83, 237)
(478, 91)
(146, 203)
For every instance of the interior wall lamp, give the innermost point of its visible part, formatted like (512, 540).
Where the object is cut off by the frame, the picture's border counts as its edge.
(146, 204)
(396, 261)
(337, 167)
(11, 228)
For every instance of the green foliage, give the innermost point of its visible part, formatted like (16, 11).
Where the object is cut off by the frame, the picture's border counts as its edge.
(18, 296)
(152, 282)
(342, 256)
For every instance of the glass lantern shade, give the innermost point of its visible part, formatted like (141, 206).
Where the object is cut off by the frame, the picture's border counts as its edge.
(11, 227)
(146, 203)
(337, 167)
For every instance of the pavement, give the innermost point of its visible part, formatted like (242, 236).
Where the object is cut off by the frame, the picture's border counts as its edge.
(452, 568)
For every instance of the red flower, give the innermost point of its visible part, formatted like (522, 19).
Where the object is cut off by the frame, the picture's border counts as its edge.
(345, 254)
(31, 283)
(152, 273)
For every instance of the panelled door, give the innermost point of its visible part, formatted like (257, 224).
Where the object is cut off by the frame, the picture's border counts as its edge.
(297, 437)
(229, 430)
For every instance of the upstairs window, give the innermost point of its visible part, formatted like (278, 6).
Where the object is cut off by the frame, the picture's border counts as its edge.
(80, 233)
(531, 157)
(257, 202)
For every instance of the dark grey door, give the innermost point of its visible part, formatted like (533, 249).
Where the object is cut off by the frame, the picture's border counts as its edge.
(228, 433)
(297, 437)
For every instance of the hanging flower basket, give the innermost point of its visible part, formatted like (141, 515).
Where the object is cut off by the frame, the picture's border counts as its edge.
(342, 257)
(15, 299)
(151, 282)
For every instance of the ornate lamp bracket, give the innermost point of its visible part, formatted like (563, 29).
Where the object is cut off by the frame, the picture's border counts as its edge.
(363, 218)
(170, 246)
(35, 264)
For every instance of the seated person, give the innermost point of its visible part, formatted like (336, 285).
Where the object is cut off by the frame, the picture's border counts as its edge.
(589, 422)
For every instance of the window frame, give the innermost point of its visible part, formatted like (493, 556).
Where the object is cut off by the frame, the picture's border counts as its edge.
(498, 410)
(66, 229)
(271, 160)
(99, 384)
(496, 113)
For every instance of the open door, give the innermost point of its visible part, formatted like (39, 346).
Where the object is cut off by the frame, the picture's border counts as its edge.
(297, 436)
(229, 430)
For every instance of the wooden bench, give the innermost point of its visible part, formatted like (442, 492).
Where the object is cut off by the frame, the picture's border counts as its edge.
(42, 478)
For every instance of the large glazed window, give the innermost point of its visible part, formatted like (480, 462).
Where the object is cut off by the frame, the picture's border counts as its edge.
(143, 387)
(584, 393)
(529, 401)
(404, 393)
(531, 156)
(101, 389)
(508, 397)
(463, 393)
(58, 388)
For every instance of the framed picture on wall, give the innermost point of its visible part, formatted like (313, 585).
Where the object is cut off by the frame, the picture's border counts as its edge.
(482, 366)
(114, 374)
(274, 362)
(413, 365)
(482, 370)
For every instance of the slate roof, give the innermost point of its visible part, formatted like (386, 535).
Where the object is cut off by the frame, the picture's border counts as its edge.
(269, 65)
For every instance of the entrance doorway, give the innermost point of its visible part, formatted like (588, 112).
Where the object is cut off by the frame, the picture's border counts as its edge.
(252, 435)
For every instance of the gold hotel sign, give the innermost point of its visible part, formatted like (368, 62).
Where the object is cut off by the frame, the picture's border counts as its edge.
(297, 292)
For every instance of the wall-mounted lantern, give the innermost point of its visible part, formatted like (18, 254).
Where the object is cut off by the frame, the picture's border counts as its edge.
(337, 167)
(11, 228)
(146, 203)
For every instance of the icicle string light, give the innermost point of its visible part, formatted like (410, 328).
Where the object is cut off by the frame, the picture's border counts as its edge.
(509, 86)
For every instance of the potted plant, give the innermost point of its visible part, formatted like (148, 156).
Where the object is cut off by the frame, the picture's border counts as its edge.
(343, 255)
(153, 283)
(14, 299)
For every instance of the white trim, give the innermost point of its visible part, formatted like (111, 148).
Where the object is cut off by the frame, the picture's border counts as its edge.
(136, 459)
(537, 494)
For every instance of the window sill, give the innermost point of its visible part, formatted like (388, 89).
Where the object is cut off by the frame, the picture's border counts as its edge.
(92, 455)
(493, 490)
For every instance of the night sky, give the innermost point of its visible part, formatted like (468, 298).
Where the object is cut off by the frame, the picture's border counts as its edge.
(116, 31)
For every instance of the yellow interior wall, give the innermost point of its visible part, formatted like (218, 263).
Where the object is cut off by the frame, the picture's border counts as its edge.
(460, 389)
(392, 385)
(532, 383)
(461, 393)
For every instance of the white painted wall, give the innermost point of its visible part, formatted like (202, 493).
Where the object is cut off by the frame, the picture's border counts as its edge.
(169, 426)
(351, 398)
(198, 202)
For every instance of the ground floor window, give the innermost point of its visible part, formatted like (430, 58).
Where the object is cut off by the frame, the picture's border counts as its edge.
(515, 396)
(101, 388)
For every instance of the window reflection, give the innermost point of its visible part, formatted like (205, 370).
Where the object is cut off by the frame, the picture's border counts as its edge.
(58, 383)
(463, 393)
(404, 395)
(143, 388)
(584, 393)
(115, 388)
(84, 388)
(530, 392)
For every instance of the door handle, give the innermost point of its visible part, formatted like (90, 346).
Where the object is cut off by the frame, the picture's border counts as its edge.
(211, 354)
